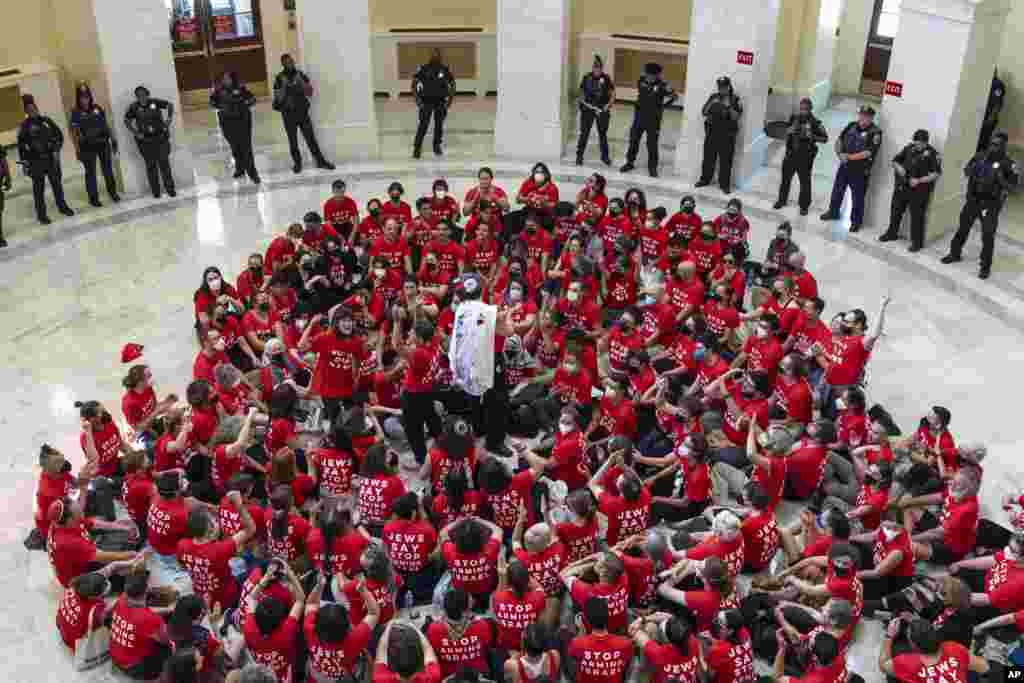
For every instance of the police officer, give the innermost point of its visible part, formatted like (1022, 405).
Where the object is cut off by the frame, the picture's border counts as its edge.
(802, 138)
(990, 175)
(653, 95)
(721, 115)
(145, 119)
(434, 87)
(233, 103)
(996, 96)
(917, 167)
(856, 148)
(5, 186)
(93, 139)
(39, 143)
(596, 94)
(292, 90)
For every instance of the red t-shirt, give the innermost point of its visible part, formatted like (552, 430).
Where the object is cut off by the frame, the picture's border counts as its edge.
(796, 398)
(959, 524)
(846, 358)
(204, 365)
(952, 667)
(668, 663)
(732, 553)
(409, 543)
(877, 500)
(376, 496)
(763, 354)
(430, 674)
(231, 521)
(731, 230)
(850, 589)
(696, 480)
(385, 594)
(530, 191)
(345, 551)
(476, 574)
(506, 503)
(732, 662)
(290, 546)
(275, 650)
(513, 614)
(760, 539)
(685, 293)
(625, 518)
(1004, 584)
(108, 445)
(441, 509)
(576, 387)
(340, 211)
(138, 406)
(166, 524)
(332, 661)
(394, 251)
(335, 468)
(617, 597)
(207, 564)
(338, 362)
(773, 479)
(545, 566)
(601, 658)
(580, 540)
(851, 429)
(683, 225)
(901, 542)
(131, 633)
(51, 487)
(71, 551)
(137, 491)
(73, 616)
(643, 582)
(482, 255)
(567, 454)
(618, 419)
(418, 371)
(441, 463)
(449, 256)
(468, 650)
(806, 468)
(737, 410)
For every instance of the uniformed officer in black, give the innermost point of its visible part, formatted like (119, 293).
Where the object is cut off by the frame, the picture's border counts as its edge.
(917, 167)
(653, 95)
(721, 114)
(39, 144)
(233, 103)
(434, 87)
(146, 121)
(803, 136)
(292, 89)
(996, 97)
(857, 146)
(990, 175)
(596, 95)
(5, 186)
(93, 139)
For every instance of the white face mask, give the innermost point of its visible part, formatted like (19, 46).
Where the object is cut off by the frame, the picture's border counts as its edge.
(214, 283)
(840, 404)
(539, 178)
(890, 533)
(439, 194)
(300, 325)
(572, 295)
(380, 272)
(564, 427)
(760, 332)
(1009, 554)
(515, 295)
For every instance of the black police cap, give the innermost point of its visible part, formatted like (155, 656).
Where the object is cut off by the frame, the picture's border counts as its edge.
(867, 109)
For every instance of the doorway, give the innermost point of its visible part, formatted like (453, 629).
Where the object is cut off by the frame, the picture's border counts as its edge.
(214, 36)
(885, 23)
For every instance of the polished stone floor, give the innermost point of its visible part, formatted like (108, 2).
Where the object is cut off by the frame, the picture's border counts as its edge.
(74, 293)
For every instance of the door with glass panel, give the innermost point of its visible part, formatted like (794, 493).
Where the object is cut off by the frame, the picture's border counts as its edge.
(214, 36)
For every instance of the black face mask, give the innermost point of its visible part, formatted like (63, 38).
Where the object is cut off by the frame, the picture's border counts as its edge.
(256, 269)
(374, 212)
(290, 69)
(263, 308)
(846, 329)
(842, 571)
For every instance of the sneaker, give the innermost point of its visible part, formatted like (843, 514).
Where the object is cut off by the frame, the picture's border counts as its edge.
(627, 167)
(855, 227)
(829, 216)
(416, 154)
(172, 193)
(702, 183)
(888, 237)
(726, 189)
(45, 220)
(984, 273)
(97, 203)
(239, 173)
(3, 242)
(778, 205)
(654, 172)
(66, 210)
(804, 211)
(914, 248)
(297, 167)
(438, 152)
(35, 541)
(114, 197)
(325, 165)
(950, 258)
(606, 161)
(579, 161)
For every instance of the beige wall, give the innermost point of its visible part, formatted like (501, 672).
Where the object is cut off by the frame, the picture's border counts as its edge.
(786, 71)
(76, 47)
(25, 35)
(1011, 70)
(385, 14)
(662, 18)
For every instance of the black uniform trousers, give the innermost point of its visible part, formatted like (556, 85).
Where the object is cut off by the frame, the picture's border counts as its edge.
(801, 165)
(917, 202)
(587, 119)
(987, 128)
(719, 148)
(650, 128)
(40, 171)
(418, 413)
(986, 209)
(157, 154)
(431, 107)
(88, 154)
(493, 417)
(293, 123)
(238, 133)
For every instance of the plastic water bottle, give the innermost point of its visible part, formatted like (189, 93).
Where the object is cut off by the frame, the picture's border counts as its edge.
(409, 602)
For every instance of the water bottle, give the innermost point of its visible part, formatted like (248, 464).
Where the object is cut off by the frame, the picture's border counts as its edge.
(409, 603)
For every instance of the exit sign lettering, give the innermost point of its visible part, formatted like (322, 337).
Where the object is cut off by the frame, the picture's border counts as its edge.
(744, 57)
(894, 89)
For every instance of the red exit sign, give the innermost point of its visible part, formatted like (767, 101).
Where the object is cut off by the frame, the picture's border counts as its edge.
(893, 88)
(744, 57)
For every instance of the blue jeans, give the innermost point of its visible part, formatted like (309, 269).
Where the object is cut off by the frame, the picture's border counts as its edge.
(858, 184)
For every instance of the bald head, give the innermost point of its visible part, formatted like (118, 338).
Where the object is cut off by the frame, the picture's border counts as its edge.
(537, 537)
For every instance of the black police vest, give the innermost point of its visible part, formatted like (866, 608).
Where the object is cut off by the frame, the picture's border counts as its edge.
(92, 125)
(41, 140)
(596, 91)
(150, 120)
(986, 179)
(232, 104)
(434, 78)
(649, 99)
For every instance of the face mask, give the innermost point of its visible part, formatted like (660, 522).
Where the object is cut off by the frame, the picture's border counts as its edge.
(687, 208)
(431, 265)
(515, 273)
(375, 212)
(256, 269)
(300, 325)
(846, 329)
(572, 295)
(571, 369)
(733, 212)
(439, 194)
(890, 533)
(395, 196)
(379, 273)
(565, 427)
(782, 237)
(760, 332)
(615, 210)
(708, 236)
(263, 307)
(214, 283)
(515, 295)
(539, 178)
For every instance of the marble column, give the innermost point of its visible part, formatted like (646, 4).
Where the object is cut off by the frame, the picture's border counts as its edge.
(533, 56)
(135, 49)
(720, 30)
(943, 57)
(335, 41)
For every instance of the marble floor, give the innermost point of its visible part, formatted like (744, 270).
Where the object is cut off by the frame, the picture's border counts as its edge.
(72, 294)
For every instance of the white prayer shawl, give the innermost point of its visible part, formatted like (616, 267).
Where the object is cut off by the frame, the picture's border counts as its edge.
(471, 351)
